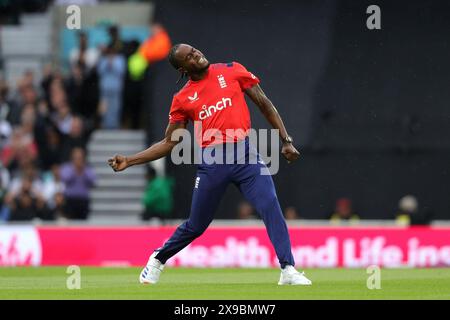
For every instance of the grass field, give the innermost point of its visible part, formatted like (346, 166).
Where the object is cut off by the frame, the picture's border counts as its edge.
(186, 283)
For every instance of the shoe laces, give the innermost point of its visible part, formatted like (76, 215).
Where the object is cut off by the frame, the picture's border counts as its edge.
(300, 273)
(155, 263)
(296, 272)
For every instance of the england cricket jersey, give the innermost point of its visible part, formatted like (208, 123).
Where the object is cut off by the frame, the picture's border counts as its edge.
(216, 104)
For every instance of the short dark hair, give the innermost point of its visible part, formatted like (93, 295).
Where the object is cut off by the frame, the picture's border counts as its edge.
(173, 61)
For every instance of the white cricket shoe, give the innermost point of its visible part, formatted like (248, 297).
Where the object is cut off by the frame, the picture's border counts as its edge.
(290, 276)
(152, 271)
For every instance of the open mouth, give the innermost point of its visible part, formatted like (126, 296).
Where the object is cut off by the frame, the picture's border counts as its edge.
(202, 60)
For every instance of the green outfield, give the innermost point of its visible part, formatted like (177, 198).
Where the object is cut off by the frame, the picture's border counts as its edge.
(186, 283)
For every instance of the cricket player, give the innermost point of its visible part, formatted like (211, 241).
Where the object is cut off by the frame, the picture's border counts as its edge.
(213, 98)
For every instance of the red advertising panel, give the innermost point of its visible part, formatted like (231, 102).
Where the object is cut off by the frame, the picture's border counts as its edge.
(227, 246)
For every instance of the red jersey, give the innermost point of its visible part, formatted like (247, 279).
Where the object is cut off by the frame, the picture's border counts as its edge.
(216, 104)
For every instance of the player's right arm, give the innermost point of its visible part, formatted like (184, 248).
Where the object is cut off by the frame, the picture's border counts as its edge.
(156, 151)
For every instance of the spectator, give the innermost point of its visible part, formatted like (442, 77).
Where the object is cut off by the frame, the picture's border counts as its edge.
(28, 120)
(51, 150)
(158, 197)
(344, 212)
(245, 211)
(53, 193)
(84, 56)
(56, 93)
(115, 43)
(25, 94)
(62, 117)
(78, 179)
(20, 149)
(132, 92)
(4, 182)
(290, 213)
(30, 172)
(409, 213)
(5, 133)
(157, 46)
(77, 136)
(29, 96)
(51, 79)
(111, 70)
(82, 85)
(24, 199)
(26, 204)
(28, 79)
(74, 88)
(6, 107)
(140, 57)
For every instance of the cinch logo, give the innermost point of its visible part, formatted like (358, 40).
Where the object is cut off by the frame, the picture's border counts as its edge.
(209, 111)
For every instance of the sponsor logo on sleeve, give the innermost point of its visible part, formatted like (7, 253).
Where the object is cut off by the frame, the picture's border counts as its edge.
(222, 82)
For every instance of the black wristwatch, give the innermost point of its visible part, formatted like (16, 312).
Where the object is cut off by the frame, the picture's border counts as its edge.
(287, 139)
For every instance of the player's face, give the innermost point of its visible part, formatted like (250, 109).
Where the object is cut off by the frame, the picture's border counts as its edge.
(191, 59)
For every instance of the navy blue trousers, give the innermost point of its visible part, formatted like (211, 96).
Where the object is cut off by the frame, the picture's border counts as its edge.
(211, 183)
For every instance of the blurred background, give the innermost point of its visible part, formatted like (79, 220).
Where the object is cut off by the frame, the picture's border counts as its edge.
(368, 109)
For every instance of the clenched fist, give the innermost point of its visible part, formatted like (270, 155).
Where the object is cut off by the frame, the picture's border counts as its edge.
(289, 152)
(118, 162)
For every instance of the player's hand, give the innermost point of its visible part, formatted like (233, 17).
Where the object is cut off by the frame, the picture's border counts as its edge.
(289, 152)
(118, 162)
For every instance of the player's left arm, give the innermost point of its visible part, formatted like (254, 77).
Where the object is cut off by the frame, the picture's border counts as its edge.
(273, 117)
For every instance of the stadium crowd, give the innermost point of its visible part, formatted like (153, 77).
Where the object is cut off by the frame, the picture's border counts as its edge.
(45, 126)
(44, 135)
(46, 123)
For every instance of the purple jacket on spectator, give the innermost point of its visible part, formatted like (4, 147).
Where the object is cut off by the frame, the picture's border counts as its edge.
(77, 186)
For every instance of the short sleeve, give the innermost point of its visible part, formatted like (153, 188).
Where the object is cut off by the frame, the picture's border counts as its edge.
(177, 113)
(245, 78)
